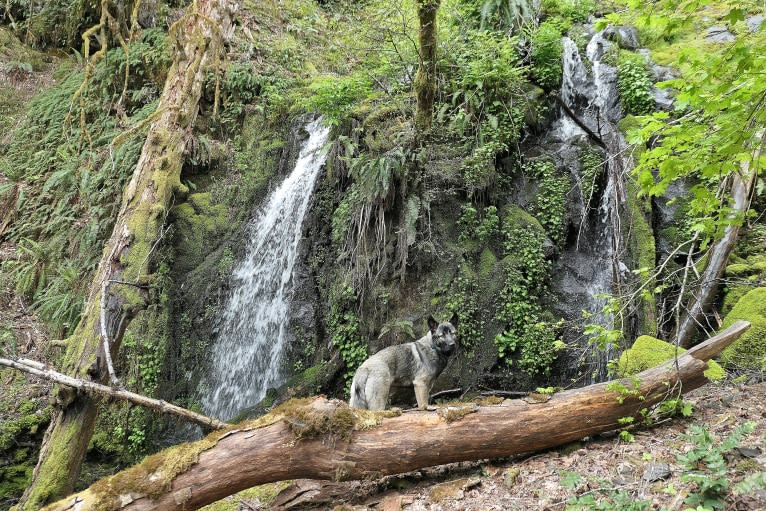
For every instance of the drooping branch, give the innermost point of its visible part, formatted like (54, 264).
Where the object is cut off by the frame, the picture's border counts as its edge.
(326, 440)
(717, 258)
(155, 404)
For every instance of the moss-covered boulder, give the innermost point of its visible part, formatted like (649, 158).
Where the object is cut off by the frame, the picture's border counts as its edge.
(749, 351)
(648, 352)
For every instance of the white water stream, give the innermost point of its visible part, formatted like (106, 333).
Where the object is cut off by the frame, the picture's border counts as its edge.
(251, 339)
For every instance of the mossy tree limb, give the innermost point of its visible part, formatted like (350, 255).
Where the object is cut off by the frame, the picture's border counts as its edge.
(425, 78)
(200, 37)
(326, 440)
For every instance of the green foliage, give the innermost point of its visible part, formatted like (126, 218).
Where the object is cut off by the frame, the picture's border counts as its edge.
(462, 300)
(485, 101)
(472, 227)
(335, 97)
(575, 11)
(546, 52)
(634, 84)
(530, 336)
(549, 206)
(720, 91)
(67, 193)
(608, 500)
(705, 466)
(507, 14)
(345, 330)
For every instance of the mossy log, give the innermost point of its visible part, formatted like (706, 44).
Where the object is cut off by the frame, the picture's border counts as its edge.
(200, 37)
(326, 440)
(717, 258)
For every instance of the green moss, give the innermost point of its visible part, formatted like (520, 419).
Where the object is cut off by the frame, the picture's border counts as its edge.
(198, 225)
(648, 352)
(265, 494)
(487, 262)
(642, 252)
(749, 351)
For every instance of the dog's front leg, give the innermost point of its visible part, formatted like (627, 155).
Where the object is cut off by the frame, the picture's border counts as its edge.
(421, 393)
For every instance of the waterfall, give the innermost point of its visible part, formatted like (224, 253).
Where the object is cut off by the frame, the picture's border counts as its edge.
(591, 267)
(251, 339)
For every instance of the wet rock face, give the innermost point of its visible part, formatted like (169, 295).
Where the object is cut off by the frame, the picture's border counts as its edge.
(719, 34)
(754, 23)
(625, 37)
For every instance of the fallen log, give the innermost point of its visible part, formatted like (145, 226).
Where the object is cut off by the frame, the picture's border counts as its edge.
(38, 369)
(326, 440)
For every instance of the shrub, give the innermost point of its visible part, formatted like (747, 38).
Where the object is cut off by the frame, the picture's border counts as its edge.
(546, 52)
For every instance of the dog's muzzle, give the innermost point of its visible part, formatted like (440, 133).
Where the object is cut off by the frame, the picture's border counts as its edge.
(447, 350)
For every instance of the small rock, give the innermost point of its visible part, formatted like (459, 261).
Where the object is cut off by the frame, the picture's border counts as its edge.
(663, 98)
(760, 494)
(626, 473)
(754, 23)
(656, 471)
(391, 503)
(452, 490)
(719, 34)
(749, 452)
(510, 476)
(625, 37)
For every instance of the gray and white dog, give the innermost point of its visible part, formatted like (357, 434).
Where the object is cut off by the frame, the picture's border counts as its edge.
(416, 363)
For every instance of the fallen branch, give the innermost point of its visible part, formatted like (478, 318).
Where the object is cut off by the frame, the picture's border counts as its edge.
(326, 440)
(39, 369)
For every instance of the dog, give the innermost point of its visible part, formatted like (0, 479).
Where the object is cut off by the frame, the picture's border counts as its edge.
(416, 363)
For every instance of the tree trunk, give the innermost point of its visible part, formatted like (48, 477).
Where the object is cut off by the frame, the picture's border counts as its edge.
(718, 257)
(323, 439)
(125, 265)
(425, 79)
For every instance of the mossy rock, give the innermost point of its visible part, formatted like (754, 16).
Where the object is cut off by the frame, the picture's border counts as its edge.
(648, 352)
(749, 351)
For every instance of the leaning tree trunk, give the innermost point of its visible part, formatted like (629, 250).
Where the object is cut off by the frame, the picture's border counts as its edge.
(323, 439)
(124, 270)
(425, 79)
(717, 258)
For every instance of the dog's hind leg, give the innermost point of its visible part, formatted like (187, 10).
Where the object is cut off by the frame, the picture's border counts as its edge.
(377, 386)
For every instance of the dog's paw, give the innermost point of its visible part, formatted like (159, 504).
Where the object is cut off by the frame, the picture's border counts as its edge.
(431, 408)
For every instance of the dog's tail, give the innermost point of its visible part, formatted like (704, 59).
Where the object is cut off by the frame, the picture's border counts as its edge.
(358, 398)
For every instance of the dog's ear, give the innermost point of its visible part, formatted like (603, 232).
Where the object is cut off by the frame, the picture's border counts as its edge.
(432, 324)
(453, 320)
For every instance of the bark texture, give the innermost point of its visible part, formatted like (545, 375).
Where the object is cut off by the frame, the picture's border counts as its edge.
(323, 439)
(425, 79)
(126, 262)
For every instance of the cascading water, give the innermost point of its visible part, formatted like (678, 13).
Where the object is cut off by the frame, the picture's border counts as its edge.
(251, 338)
(590, 268)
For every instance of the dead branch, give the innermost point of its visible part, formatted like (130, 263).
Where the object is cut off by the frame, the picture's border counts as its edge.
(39, 369)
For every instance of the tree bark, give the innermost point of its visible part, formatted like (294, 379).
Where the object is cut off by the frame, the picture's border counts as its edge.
(346, 445)
(126, 262)
(88, 386)
(718, 257)
(425, 78)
